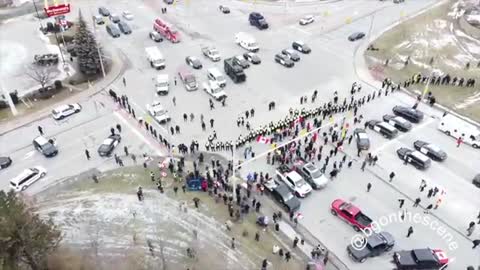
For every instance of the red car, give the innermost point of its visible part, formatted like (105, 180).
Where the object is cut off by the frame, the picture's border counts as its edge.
(351, 214)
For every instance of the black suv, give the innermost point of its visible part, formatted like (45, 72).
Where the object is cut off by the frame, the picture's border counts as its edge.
(412, 115)
(44, 146)
(257, 20)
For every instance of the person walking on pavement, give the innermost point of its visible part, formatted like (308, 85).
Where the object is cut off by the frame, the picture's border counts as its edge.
(417, 202)
(369, 186)
(391, 176)
(295, 242)
(232, 245)
(410, 231)
(87, 154)
(40, 130)
(119, 128)
(471, 228)
(459, 141)
(124, 82)
(211, 122)
(112, 131)
(402, 201)
(174, 100)
(125, 149)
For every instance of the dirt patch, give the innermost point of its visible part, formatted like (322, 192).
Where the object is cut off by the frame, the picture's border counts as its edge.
(432, 35)
(108, 216)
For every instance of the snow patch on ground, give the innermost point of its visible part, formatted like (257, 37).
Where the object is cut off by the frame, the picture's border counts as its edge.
(113, 220)
(468, 101)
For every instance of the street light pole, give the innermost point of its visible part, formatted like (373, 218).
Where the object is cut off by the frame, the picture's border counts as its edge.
(38, 15)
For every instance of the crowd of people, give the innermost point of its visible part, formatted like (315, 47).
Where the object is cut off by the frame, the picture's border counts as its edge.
(418, 78)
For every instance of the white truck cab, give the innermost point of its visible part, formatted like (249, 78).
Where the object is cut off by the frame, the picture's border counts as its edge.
(215, 75)
(246, 41)
(213, 89)
(155, 57)
(162, 84)
(456, 127)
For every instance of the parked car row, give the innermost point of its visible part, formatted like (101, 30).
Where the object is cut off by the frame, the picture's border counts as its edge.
(116, 26)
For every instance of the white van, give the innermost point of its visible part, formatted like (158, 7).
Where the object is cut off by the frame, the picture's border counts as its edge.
(215, 75)
(27, 178)
(162, 84)
(246, 41)
(456, 127)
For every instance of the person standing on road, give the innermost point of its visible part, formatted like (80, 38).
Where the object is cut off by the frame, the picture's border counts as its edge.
(410, 231)
(475, 242)
(124, 82)
(211, 122)
(295, 242)
(459, 141)
(87, 154)
(40, 130)
(364, 163)
(174, 100)
(112, 131)
(125, 149)
(471, 228)
(369, 186)
(119, 128)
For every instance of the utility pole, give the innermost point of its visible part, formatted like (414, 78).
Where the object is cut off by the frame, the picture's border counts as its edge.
(94, 26)
(38, 15)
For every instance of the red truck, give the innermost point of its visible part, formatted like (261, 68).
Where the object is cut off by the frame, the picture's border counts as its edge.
(166, 30)
(351, 214)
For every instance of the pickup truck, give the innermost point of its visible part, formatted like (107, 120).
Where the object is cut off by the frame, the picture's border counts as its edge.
(213, 89)
(293, 181)
(212, 53)
(350, 214)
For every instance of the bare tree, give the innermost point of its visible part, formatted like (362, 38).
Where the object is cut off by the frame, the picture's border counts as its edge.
(42, 75)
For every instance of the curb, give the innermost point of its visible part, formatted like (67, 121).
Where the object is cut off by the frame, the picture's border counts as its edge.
(44, 112)
(371, 81)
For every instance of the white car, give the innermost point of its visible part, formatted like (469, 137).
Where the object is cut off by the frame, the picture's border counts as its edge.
(158, 112)
(307, 19)
(27, 178)
(127, 15)
(66, 110)
(214, 90)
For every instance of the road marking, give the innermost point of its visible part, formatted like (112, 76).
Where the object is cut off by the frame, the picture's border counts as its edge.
(28, 155)
(388, 143)
(136, 132)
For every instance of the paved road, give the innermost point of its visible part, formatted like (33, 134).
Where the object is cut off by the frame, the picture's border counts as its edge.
(85, 130)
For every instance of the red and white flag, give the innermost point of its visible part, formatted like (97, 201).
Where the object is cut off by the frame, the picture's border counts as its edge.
(263, 140)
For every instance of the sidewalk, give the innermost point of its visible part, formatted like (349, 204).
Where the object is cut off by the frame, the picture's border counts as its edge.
(290, 231)
(116, 70)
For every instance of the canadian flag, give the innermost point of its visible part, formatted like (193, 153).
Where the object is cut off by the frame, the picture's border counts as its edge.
(263, 140)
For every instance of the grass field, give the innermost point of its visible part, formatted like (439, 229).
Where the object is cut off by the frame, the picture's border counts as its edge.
(106, 209)
(435, 34)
